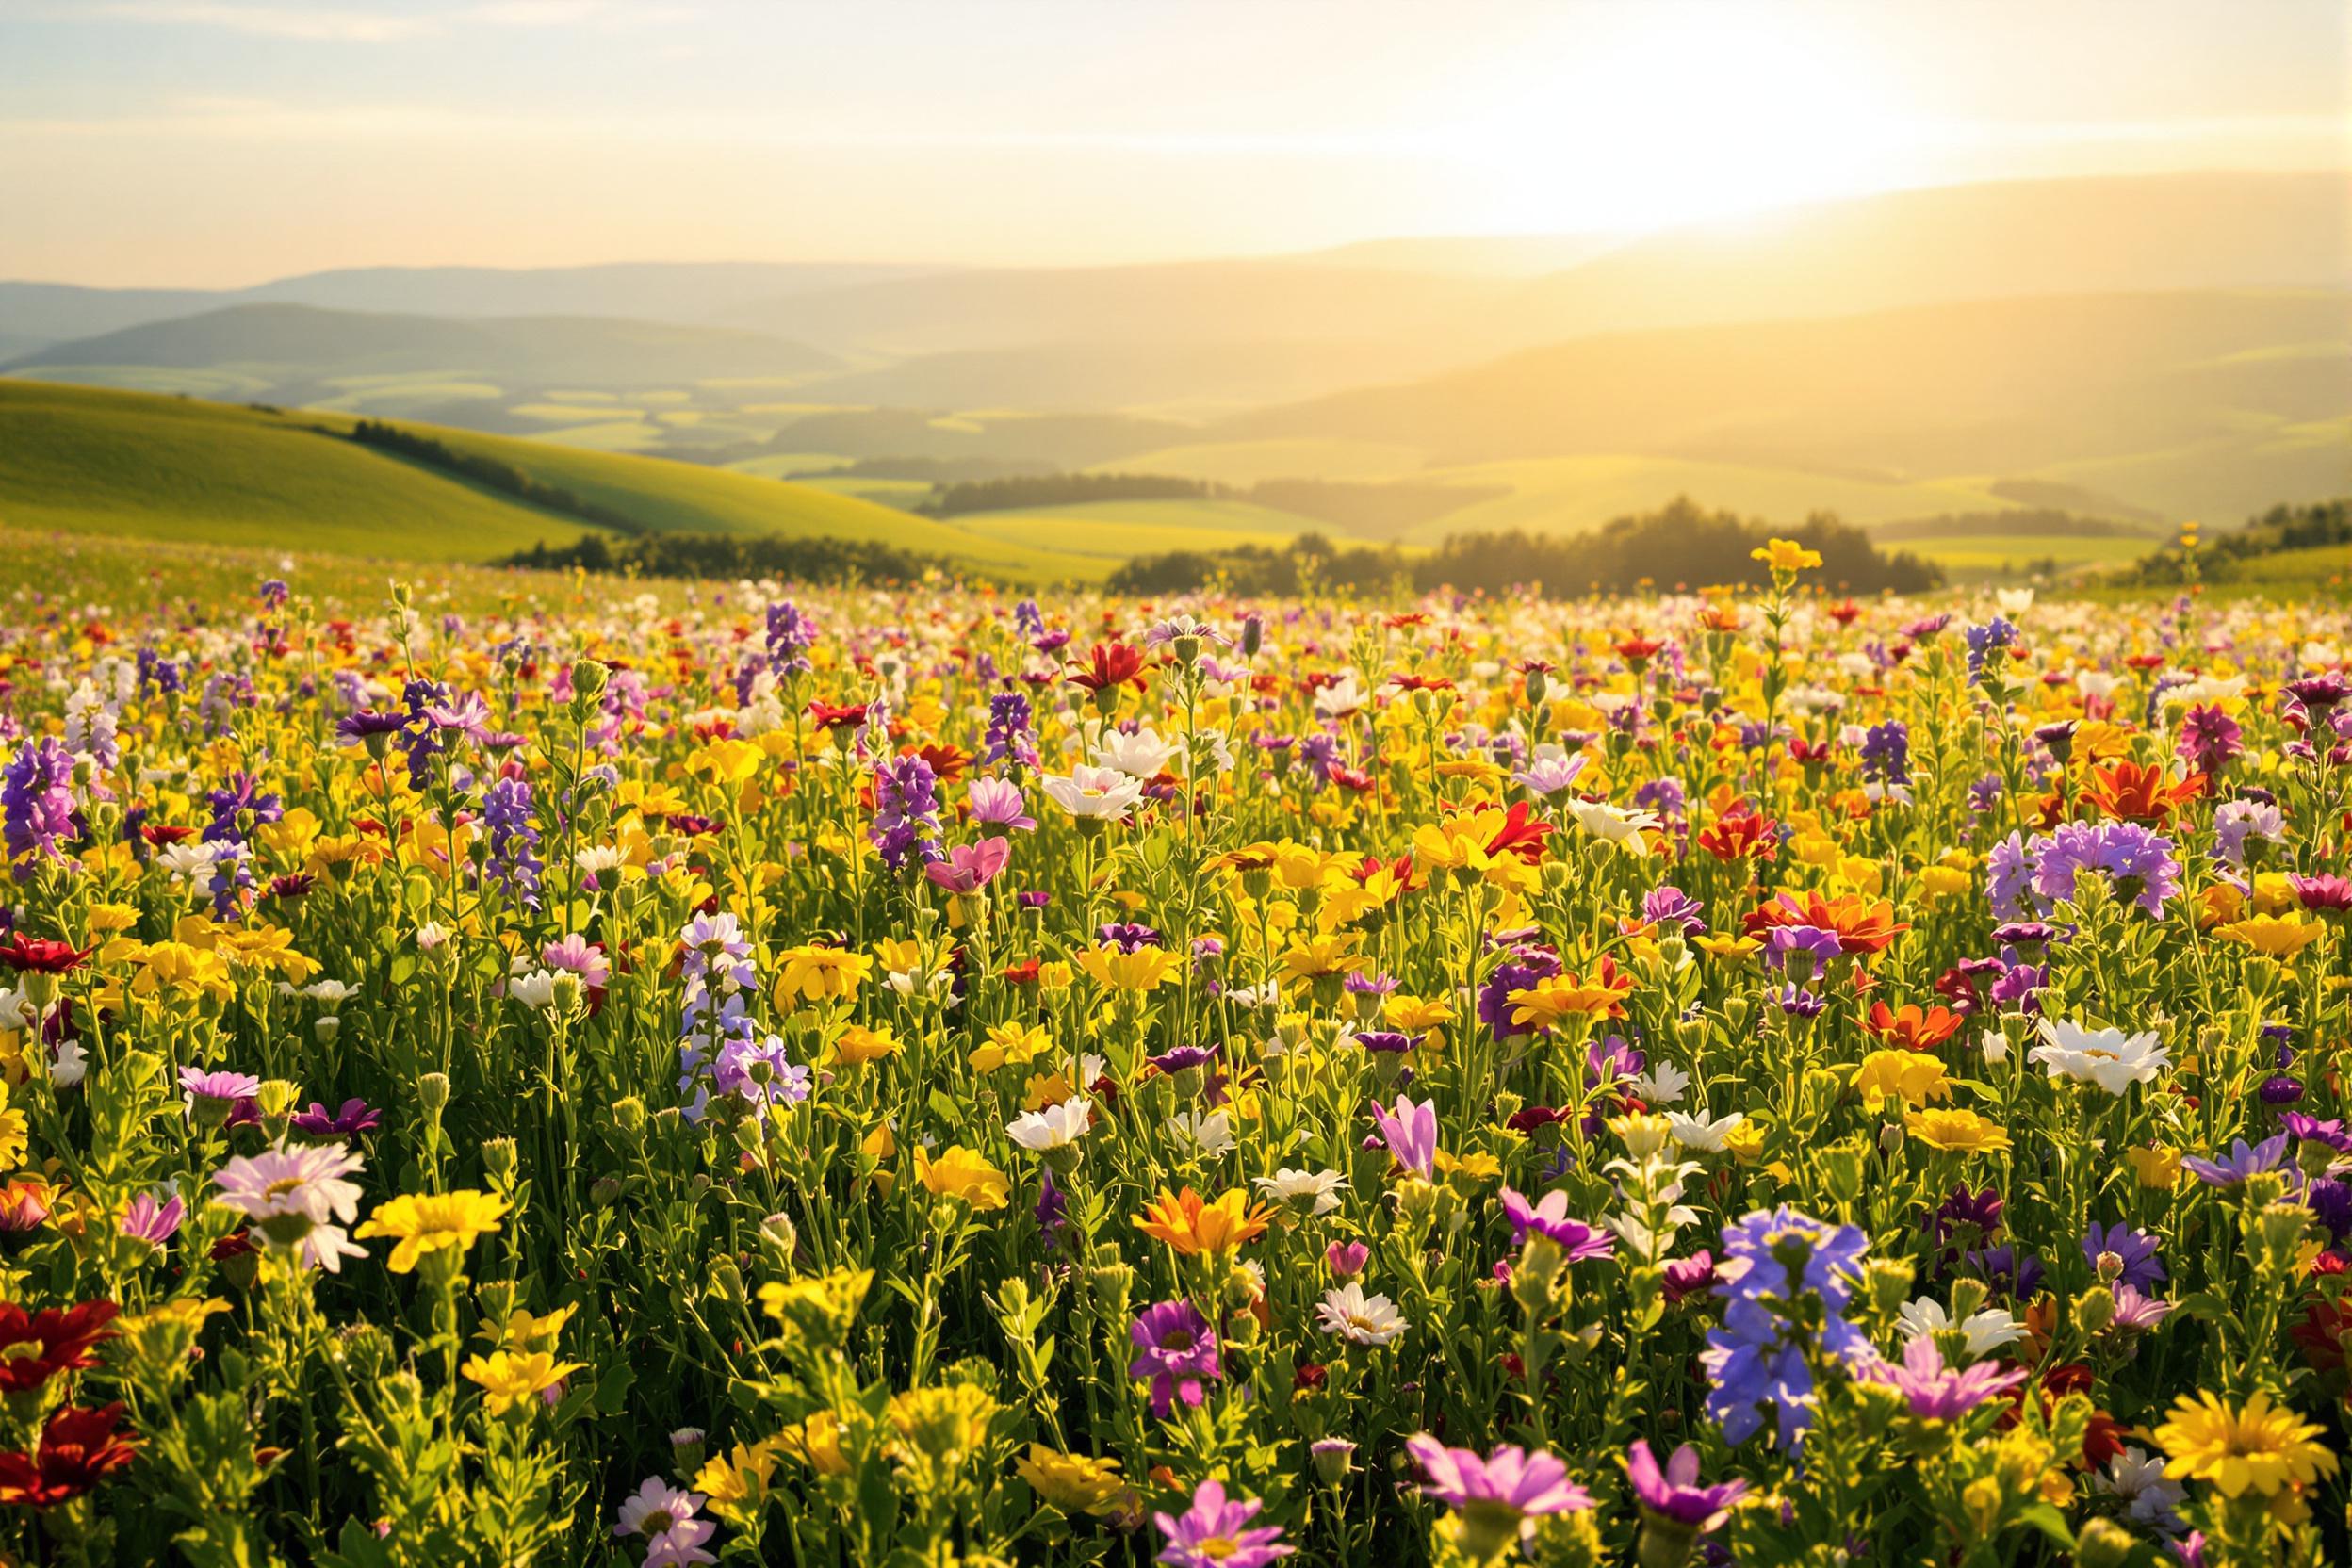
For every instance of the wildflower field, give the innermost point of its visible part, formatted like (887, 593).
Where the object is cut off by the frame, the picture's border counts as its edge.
(912, 1077)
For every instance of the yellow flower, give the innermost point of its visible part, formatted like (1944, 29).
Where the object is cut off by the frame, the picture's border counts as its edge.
(857, 1045)
(526, 1331)
(1192, 1224)
(1745, 1142)
(1016, 1043)
(1786, 555)
(106, 919)
(1146, 968)
(1733, 948)
(2274, 938)
(2157, 1167)
(432, 1222)
(1323, 958)
(1960, 1132)
(1075, 1483)
(816, 1443)
(1944, 881)
(2262, 1447)
(942, 1424)
(1911, 1076)
(819, 974)
(823, 1307)
(182, 970)
(737, 1485)
(726, 762)
(508, 1380)
(961, 1173)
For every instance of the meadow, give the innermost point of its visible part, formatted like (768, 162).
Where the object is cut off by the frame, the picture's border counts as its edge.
(499, 1069)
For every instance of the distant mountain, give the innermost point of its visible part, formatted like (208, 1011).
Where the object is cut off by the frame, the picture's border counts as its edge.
(2109, 235)
(693, 292)
(1204, 376)
(2167, 402)
(299, 346)
(1223, 302)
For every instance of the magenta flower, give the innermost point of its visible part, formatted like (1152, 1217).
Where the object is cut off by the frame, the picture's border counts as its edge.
(998, 803)
(1410, 1133)
(1675, 1494)
(1498, 1498)
(1936, 1392)
(1549, 1218)
(232, 1087)
(1215, 1533)
(1177, 1350)
(581, 957)
(151, 1221)
(970, 868)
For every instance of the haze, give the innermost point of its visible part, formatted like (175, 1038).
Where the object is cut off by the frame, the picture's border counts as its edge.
(218, 144)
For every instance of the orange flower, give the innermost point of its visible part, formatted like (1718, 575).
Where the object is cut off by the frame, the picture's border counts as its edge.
(1192, 1224)
(1742, 834)
(2137, 793)
(1862, 924)
(1549, 1000)
(1911, 1029)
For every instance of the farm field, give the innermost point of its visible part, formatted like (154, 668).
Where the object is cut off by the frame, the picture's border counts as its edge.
(516, 1040)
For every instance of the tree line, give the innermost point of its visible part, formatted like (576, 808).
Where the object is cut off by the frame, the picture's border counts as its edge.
(491, 474)
(813, 558)
(1680, 546)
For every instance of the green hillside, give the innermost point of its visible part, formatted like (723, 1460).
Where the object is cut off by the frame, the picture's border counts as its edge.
(87, 460)
(1117, 529)
(80, 460)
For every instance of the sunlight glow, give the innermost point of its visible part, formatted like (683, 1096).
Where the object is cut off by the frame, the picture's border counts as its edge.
(1665, 125)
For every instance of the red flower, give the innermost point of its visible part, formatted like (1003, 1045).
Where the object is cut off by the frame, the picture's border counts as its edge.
(1744, 834)
(837, 715)
(162, 834)
(41, 955)
(1519, 836)
(36, 1346)
(78, 1449)
(2138, 794)
(1110, 664)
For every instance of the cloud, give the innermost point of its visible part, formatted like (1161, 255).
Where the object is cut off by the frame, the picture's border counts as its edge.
(308, 22)
(324, 25)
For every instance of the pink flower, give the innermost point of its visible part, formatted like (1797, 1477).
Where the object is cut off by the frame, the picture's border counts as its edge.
(970, 868)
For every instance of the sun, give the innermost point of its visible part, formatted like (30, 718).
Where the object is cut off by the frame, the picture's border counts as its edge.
(1663, 124)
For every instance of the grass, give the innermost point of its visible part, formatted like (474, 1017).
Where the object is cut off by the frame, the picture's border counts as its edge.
(89, 461)
(1572, 495)
(83, 460)
(1117, 529)
(1977, 556)
(1247, 462)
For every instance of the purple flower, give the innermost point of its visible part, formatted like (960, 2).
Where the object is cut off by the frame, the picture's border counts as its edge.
(1177, 1350)
(199, 1085)
(36, 804)
(2242, 1160)
(1549, 1218)
(998, 803)
(1675, 1494)
(2138, 861)
(790, 635)
(506, 808)
(357, 1116)
(2136, 1314)
(1499, 1497)
(906, 810)
(2209, 739)
(2310, 1129)
(1410, 1133)
(2135, 1252)
(151, 1221)
(1215, 1533)
(1790, 1279)
(1936, 1392)
(1667, 905)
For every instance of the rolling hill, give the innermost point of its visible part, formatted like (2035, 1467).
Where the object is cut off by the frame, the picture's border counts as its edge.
(296, 347)
(88, 460)
(2101, 391)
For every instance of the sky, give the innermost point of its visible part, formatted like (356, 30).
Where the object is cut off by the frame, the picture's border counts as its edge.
(221, 143)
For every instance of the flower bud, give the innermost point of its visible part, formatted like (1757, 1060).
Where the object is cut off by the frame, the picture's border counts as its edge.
(589, 680)
(432, 1092)
(2095, 1309)
(325, 1028)
(499, 1160)
(1334, 1459)
(628, 1115)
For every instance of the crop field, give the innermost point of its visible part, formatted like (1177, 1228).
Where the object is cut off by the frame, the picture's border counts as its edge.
(852, 1077)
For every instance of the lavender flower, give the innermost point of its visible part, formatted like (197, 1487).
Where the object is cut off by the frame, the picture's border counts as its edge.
(1176, 1350)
